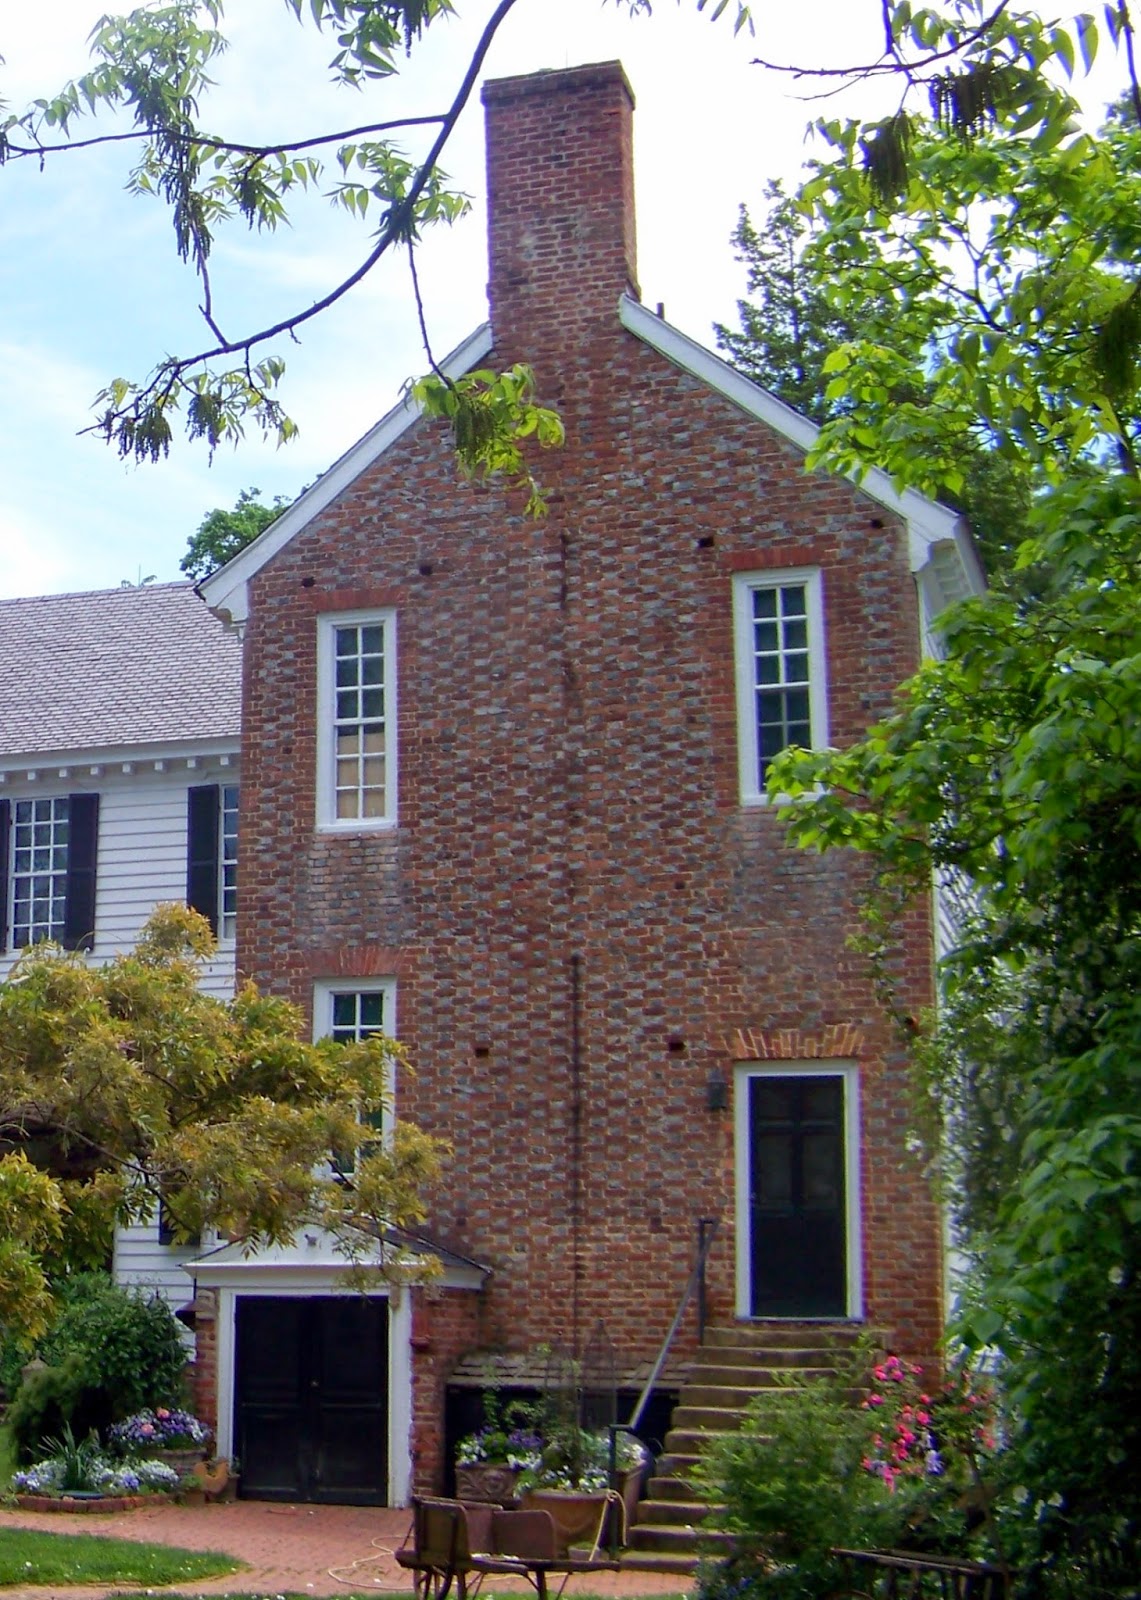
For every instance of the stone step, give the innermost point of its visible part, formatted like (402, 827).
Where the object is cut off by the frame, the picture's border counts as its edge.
(719, 1358)
(690, 1442)
(681, 1540)
(689, 1513)
(672, 1486)
(679, 1465)
(782, 1335)
(659, 1561)
(763, 1380)
(710, 1419)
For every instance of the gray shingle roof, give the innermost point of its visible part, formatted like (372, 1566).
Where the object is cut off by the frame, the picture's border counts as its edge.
(115, 667)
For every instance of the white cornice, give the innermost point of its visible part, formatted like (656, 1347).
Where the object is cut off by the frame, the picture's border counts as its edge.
(226, 591)
(206, 756)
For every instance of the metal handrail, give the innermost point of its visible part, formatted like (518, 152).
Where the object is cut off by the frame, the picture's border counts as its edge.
(706, 1229)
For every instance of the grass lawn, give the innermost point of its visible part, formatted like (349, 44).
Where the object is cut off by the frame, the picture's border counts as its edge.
(28, 1557)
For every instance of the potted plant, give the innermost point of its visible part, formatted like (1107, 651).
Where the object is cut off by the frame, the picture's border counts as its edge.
(490, 1462)
(571, 1479)
(165, 1434)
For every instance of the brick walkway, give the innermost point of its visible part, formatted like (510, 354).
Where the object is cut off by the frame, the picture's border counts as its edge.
(317, 1550)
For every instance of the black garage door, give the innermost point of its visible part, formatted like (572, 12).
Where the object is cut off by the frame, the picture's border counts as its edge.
(311, 1399)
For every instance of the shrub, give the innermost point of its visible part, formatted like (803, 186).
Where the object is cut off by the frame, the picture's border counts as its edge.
(52, 1400)
(131, 1344)
(811, 1470)
(110, 1352)
(793, 1487)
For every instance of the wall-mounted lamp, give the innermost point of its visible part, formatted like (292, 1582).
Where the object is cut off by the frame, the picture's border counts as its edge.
(717, 1091)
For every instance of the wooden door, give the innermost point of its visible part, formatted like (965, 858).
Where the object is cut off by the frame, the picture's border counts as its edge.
(797, 1196)
(311, 1399)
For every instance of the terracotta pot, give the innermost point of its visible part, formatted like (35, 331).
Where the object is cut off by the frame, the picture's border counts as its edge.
(489, 1481)
(577, 1513)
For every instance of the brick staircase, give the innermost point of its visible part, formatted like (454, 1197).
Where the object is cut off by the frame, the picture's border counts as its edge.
(734, 1364)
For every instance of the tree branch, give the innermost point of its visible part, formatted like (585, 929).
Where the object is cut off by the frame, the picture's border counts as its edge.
(395, 227)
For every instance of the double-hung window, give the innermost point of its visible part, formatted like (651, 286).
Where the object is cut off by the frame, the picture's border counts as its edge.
(48, 847)
(352, 1011)
(356, 734)
(780, 669)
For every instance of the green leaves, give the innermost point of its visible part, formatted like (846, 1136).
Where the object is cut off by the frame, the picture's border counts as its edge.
(129, 1076)
(491, 415)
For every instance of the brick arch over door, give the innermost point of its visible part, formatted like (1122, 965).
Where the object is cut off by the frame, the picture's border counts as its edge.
(840, 1041)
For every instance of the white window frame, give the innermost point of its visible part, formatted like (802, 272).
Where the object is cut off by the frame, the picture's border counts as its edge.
(327, 627)
(228, 920)
(52, 930)
(323, 993)
(745, 585)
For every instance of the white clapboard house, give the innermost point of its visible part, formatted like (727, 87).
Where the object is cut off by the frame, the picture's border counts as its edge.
(119, 739)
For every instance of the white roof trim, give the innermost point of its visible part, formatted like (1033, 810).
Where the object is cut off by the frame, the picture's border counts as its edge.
(173, 752)
(929, 525)
(225, 591)
(312, 1258)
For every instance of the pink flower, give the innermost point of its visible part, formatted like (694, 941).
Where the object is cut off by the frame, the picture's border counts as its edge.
(162, 1412)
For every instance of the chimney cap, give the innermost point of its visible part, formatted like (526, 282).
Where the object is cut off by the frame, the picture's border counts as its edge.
(552, 80)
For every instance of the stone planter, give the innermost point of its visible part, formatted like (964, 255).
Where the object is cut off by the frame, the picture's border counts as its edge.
(492, 1482)
(184, 1462)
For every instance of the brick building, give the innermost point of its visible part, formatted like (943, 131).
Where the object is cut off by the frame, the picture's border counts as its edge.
(502, 794)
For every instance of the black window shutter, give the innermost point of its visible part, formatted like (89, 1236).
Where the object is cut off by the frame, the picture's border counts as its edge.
(202, 810)
(82, 845)
(5, 846)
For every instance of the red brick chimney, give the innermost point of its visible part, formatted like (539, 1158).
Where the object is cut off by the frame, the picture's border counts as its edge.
(560, 177)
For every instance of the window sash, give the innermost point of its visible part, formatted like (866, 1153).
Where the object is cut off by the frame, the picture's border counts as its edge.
(39, 869)
(228, 861)
(356, 785)
(780, 671)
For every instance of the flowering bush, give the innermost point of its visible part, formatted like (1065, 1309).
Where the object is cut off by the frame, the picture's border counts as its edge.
(919, 1435)
(51, 1476)
(508, 1437)
(518, 1448)
(579, 1459)
(164, 1428)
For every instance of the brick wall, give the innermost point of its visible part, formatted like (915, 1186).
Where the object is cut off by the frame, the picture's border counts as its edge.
(444, 1326)
(571, 858)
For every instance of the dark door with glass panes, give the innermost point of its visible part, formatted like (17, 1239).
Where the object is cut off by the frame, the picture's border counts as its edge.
(797, 1224)
(311, 1398)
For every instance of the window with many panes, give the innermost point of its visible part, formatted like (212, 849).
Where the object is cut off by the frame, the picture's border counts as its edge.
(39, 869)
(781, 691)
(349, 1012)
(357, 733)
(48, 857)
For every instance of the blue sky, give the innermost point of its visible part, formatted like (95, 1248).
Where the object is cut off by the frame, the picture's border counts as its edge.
(90, 286)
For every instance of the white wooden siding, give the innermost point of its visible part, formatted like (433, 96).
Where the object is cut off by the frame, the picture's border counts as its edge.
(141, 860)
(141, 1262)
